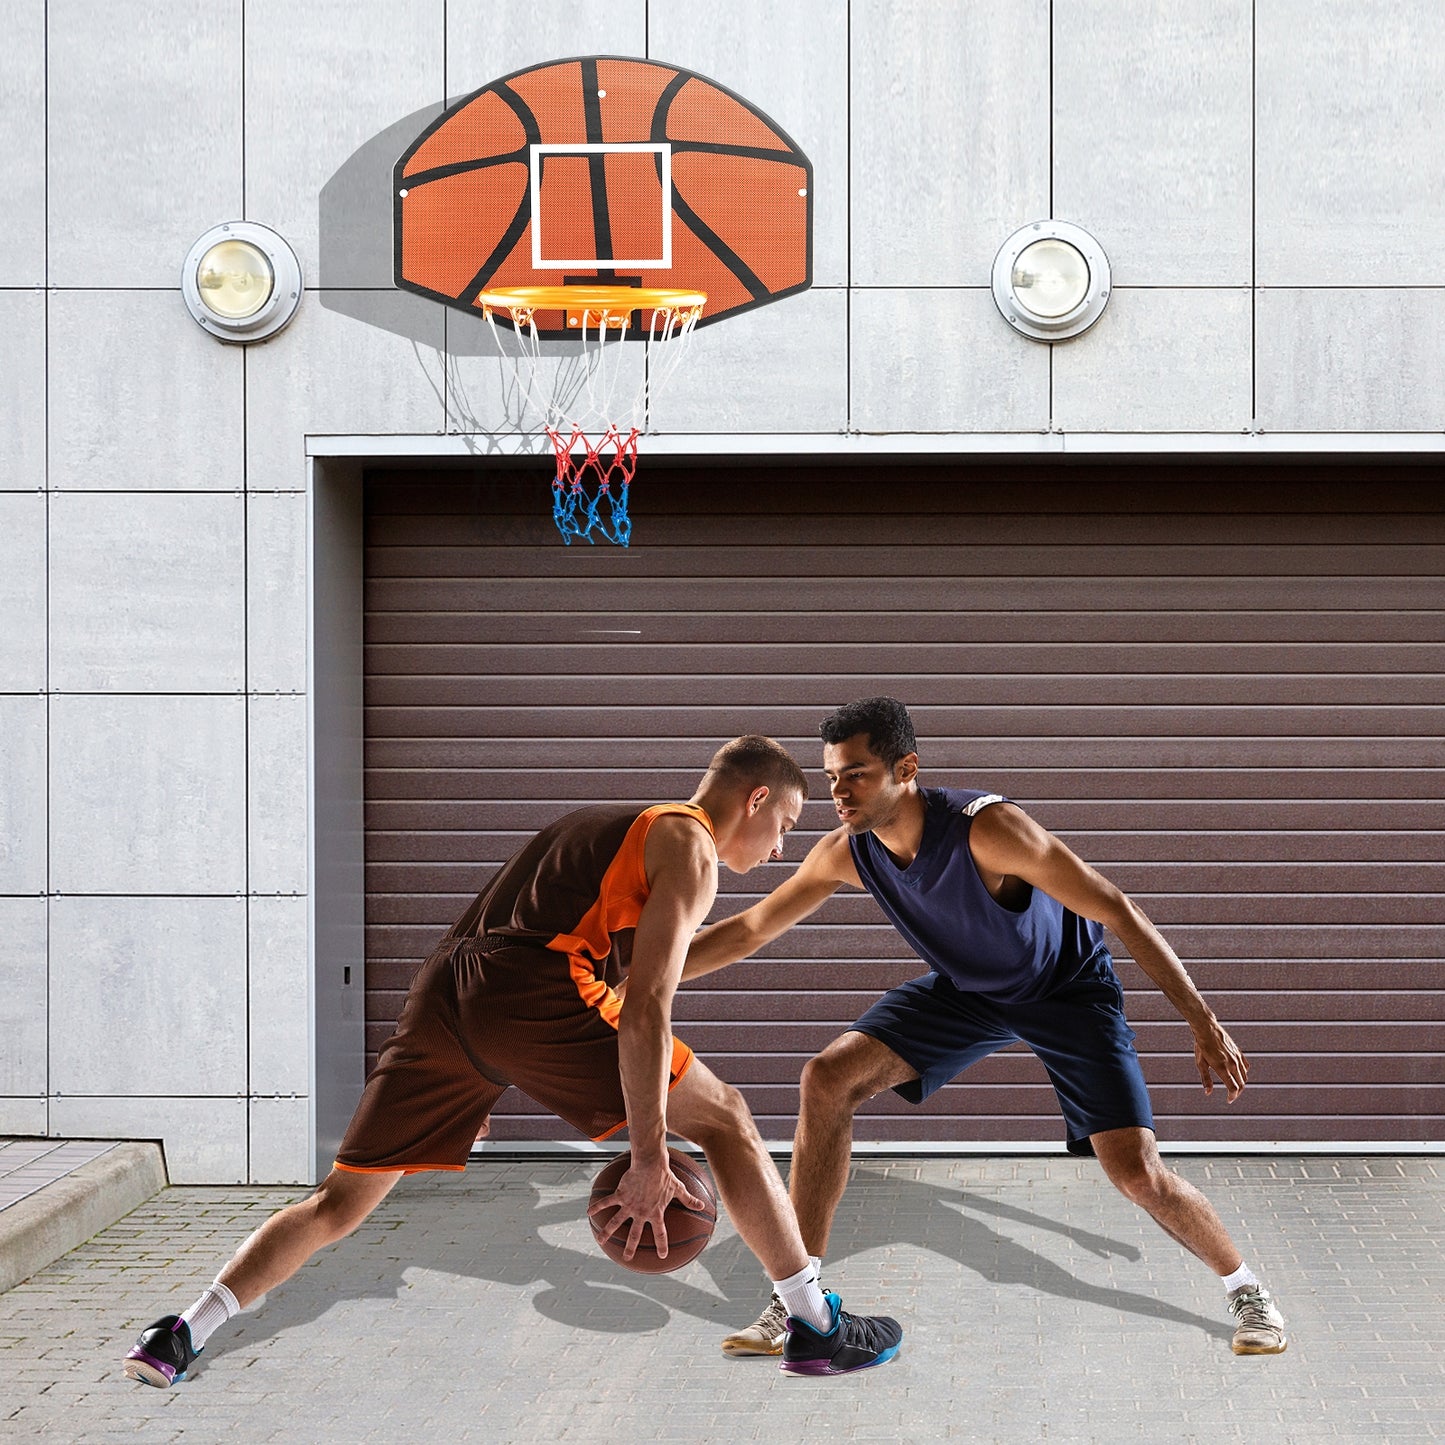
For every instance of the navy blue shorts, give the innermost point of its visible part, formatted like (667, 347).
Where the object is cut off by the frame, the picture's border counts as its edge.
(1078, 1031)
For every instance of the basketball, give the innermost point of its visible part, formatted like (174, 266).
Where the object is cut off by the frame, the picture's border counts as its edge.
(688, 1230)
(604, 169)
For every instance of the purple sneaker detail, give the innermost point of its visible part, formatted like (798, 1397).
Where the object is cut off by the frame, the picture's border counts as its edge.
(807, 1367)
(159, 1366)
(162, 1354)
(855, 1342)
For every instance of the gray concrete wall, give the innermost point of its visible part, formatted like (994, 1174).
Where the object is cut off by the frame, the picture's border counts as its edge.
(1264, 174)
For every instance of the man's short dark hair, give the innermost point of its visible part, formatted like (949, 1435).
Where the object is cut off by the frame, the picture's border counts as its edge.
(758, 761)
(884, 719)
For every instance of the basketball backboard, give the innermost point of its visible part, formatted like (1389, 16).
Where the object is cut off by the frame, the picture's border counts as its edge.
(604, 169)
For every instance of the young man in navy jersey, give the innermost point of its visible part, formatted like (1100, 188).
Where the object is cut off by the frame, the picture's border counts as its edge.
(1011, 924)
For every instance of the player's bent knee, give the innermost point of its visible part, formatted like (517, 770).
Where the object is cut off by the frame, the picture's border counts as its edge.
(1142, 1182)
(831, 1084)
(732, 1115)
(723, 1117)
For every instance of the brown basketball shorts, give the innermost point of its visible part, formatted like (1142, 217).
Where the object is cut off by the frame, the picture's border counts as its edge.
(474, 1022)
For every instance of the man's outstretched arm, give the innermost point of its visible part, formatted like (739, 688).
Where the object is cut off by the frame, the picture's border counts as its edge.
(827, 865)
(1006, 841)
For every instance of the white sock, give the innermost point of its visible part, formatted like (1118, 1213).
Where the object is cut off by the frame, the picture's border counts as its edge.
(816, 1260)
(803, 1299)
(215, 1307)
(1244, 1275)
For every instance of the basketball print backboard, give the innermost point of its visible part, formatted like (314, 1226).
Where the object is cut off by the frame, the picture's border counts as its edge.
(604, 169)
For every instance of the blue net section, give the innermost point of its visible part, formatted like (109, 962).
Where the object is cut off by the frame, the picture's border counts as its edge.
(589, 492)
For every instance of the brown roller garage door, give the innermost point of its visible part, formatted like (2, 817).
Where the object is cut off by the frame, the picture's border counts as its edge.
(1218, 681)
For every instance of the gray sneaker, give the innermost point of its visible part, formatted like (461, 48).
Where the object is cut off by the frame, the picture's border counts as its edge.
(764, 1336)
(1260, 1328)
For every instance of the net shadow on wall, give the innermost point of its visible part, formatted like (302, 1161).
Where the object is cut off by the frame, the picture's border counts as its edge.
(457, 355)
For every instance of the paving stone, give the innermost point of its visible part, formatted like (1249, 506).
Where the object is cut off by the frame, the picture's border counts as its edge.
(1039, 1305)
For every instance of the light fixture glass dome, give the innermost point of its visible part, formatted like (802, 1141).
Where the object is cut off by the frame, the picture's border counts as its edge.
(241, 281)
(1051, 280)
(235, 279)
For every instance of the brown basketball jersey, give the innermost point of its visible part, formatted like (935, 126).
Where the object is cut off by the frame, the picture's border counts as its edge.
(577, 888)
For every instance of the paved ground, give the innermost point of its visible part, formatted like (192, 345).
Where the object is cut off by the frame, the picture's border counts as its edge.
(1039, 1305)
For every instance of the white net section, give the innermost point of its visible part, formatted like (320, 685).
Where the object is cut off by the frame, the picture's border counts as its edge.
(593, 392)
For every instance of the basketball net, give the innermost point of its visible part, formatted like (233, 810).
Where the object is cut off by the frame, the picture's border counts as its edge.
(593, 393)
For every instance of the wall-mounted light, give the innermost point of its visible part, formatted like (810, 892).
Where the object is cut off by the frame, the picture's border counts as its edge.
(241, 281)
(1051, 280)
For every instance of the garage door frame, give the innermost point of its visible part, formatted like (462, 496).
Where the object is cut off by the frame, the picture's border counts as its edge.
(336, 465)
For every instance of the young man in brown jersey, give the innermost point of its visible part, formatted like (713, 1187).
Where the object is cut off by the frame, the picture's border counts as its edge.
(520, 991)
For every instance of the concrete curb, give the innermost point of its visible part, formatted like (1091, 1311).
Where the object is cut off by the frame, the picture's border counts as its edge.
(51, 1222)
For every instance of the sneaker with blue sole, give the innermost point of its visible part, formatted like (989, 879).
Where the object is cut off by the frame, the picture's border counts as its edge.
(162, 1355)
(855, 1342)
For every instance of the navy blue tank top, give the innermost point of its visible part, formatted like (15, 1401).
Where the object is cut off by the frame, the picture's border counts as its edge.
(940, 905)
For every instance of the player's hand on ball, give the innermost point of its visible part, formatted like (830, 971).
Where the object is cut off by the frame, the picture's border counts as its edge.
(1217, 1056)
(639, 1202)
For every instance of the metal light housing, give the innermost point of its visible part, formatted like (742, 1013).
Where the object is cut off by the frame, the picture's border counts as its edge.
(241, 282)
(1051, 280)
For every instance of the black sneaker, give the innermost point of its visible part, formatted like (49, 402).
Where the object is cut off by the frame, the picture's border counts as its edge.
(854, 1343)
(163, 1353)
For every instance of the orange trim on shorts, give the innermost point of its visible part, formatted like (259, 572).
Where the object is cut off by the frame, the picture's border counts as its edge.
(678, 1048)
(399, 1169)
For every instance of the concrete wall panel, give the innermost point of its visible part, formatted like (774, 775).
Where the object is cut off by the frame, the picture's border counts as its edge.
(943, 360)
(276, 831)
(23, 987)
(20, 1117)
(162, 979)
(23, 821)
(22, 142)
(1351, 180)
(144, 136)
(1153, 133)
(169, 612)
(148, 794)
(1158, 360)
(950, 142)
(22, 391)
(280, 1042)
(321, 80)
(276, 592)
(141, 398)
(280, 1140)
(204, 1139)
(782, 368)
(488, 40)
(329, 372)
(792, 63)
(22, 592)
(147, 593)
(1351, 360)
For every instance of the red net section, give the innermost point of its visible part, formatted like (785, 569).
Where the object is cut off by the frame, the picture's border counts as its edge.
(589, 492)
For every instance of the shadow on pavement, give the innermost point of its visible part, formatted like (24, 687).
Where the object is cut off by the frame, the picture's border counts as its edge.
(908, 1211)
(493, 1231)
